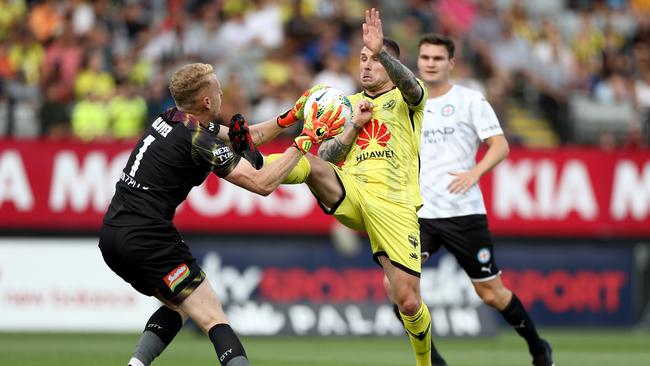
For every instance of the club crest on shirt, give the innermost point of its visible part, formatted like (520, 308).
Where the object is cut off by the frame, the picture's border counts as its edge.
(413, 240)
(483, 255)
(389, 105)
(448, 110)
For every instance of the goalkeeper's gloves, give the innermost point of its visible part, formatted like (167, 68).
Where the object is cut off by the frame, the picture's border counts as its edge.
(316, 129)
(296, 113)
(242, 142)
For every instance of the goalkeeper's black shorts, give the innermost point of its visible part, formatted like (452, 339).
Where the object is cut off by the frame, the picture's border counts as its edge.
(153, 259)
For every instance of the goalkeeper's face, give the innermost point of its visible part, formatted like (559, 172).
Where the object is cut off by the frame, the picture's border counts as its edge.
(214, 93)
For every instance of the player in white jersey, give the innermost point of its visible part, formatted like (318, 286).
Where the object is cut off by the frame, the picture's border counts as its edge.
(456, 121)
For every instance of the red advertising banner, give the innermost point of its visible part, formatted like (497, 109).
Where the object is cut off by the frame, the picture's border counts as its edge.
(551, 193)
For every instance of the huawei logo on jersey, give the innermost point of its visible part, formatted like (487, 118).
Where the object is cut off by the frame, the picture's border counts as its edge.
(373, 131)
(374, 134)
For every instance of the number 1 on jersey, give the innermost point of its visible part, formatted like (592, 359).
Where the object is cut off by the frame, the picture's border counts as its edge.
(145, 144)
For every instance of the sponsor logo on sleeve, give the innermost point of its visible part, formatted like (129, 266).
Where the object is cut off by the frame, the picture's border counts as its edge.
(176, 276)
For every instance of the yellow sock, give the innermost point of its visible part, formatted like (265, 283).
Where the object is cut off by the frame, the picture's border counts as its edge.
(418, 328)
(299, 173)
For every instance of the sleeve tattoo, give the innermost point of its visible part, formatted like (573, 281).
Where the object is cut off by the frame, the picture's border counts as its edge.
(333, 150)
(402, 77)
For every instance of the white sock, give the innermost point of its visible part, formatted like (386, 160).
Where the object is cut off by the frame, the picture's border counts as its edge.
(135, 362)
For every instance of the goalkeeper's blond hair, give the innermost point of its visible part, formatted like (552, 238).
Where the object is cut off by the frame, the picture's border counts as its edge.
(187, 82)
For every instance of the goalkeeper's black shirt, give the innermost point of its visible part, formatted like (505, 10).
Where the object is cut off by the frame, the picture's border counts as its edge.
(175, 154)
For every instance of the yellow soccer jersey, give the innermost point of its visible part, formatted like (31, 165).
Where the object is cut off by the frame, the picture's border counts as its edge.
(384, 157)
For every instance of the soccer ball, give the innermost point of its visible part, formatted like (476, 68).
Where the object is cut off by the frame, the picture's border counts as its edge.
(323, 98)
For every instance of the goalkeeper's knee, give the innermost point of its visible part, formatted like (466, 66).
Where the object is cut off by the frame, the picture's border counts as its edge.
(299, 173)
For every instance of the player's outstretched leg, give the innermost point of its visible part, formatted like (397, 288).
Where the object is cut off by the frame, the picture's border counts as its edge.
(495, 294)
(436, 357)
(299, 173)
(160, 330)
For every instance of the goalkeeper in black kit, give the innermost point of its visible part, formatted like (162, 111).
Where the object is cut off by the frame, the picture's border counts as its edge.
(177, 152)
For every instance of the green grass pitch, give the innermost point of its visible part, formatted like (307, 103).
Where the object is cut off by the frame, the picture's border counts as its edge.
(591, 347)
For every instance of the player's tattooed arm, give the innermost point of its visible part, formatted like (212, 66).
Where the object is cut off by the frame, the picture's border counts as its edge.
(335, 149)
(402, 77)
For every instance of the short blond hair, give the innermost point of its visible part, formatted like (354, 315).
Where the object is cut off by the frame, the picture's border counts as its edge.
(187, 82)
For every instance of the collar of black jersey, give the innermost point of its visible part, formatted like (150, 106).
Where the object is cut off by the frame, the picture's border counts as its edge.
(175, 115)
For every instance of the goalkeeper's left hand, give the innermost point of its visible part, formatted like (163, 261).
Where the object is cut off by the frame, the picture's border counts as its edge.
(242, 141)
(317, 129)
(296, 113)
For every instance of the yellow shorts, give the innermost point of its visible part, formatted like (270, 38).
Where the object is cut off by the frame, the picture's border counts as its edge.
(392, 227)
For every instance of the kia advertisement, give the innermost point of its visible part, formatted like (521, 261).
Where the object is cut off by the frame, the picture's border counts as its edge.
(563, 192)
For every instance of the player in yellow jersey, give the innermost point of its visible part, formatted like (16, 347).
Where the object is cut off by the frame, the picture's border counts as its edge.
(376, 189)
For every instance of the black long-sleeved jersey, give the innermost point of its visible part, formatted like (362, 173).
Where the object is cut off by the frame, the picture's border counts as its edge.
(175, 154)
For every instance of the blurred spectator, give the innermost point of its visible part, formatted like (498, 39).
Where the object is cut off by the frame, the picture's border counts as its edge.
(93, 79)
(463, 75)
(528, 56)
(402, 33)
(265, 23)
(159, 98)
(63, 57)
(90, 119)
(328, 39)
(274, 69)
(46, 19)
(552, 73)
(82, 16)
(588, 41)
(6, 68)
(459, 16)
(26, 56)
(127, 111)
(334, 74)
(10, 16)
(424, 12)
(517, 16)
(54, 116)
(613, 86)
(274, 100)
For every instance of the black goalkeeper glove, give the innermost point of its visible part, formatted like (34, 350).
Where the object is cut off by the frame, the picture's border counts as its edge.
(242, 142)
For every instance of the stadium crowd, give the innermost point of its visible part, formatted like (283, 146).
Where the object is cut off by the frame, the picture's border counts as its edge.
(97, 70)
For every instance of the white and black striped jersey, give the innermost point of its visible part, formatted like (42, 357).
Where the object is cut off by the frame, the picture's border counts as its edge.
(454, 126)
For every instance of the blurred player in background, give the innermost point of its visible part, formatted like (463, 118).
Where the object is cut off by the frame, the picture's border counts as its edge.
(376, 189)
(456, 120)
(138, 239)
